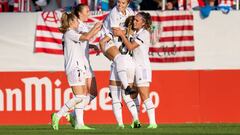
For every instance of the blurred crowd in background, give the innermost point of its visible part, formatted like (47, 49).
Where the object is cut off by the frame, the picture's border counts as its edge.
(105, 5)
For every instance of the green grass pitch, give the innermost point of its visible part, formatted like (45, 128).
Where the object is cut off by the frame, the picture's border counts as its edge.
(163, 129)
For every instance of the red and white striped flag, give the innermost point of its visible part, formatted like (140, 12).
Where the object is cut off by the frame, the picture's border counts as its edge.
(172, 37)
(48, 37)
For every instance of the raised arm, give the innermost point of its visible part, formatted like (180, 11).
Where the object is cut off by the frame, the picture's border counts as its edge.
(88, 35)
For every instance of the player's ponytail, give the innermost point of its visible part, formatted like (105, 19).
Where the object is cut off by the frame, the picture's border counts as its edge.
(129, 24)
(65, 19)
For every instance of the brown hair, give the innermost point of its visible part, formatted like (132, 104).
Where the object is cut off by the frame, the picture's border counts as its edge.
(129, 24)
(79, 8)
(147, 19)
(65, 19)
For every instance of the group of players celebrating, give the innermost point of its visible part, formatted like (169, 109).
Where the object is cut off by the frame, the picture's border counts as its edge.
(125, 40)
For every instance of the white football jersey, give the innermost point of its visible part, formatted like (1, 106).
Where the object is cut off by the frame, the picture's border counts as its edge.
(83, 28)
(73, 53)
(140, 54)
(115, 19)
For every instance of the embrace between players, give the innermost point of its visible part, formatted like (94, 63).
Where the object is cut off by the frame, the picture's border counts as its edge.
(121, 32)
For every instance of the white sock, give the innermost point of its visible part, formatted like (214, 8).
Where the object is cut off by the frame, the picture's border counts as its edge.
(88, 98)
(79, 111)
(131, 105)
(116, 103)
(123, 78)
(121, 69)
(150, 110)
(136, 101)
(70, 104)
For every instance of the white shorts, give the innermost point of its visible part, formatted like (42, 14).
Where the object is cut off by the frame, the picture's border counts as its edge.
(112, 42)
(108, 45)
(89, 72)
(76, 77)
(130, 70)
(88, 68)
(143, 76)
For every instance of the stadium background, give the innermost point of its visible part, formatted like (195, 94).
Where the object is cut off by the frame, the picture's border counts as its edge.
(203, 91)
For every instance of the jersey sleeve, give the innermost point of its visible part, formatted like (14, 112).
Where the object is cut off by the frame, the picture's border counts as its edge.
(114, 20)
(74, 36)
(140, 39)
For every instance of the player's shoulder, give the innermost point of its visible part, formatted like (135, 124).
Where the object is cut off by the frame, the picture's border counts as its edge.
(69, 33)
(113, 11)
(144, 32)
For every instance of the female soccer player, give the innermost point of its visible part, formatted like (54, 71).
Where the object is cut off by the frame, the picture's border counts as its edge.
(122, 68)
(140, 46)
(74, 67)
(82, 13)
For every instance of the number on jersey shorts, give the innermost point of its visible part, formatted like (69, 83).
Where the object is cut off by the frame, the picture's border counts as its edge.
(130, 70)
(76, 76)
(143, 75)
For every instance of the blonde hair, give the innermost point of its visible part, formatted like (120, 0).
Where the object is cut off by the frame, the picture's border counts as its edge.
(129, 25)
(65, 20)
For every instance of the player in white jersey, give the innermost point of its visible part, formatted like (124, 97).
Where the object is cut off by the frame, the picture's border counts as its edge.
(139, 44)
(109, 44)
(82, 13)
(74, 68)
(122, 68)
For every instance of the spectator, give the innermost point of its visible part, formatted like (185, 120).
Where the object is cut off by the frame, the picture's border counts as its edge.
(134, 4)
(171, 5)
(111, 4)
(10, 5)
(213, 4)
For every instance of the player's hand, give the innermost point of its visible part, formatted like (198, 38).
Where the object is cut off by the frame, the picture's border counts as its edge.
(118, 32)
(98, 25)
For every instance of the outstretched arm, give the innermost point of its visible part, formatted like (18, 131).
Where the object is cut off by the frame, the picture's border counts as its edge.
(87, 36)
